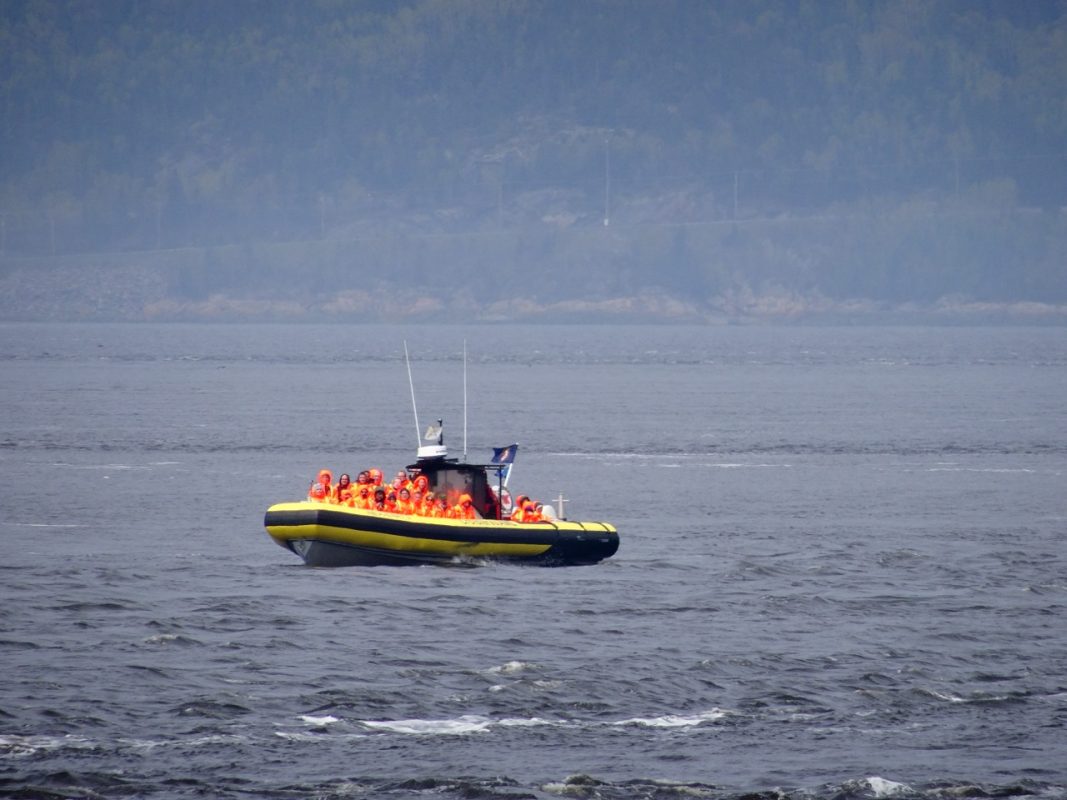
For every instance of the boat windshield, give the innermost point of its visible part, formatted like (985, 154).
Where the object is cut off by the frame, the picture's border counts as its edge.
(453, 480)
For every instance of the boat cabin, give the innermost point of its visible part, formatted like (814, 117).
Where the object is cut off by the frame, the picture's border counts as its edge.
(453, 478)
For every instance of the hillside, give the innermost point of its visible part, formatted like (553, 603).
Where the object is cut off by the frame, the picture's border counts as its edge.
(442, 159)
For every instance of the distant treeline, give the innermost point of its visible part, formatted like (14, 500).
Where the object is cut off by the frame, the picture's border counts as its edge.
(895, 150)
(906, 258)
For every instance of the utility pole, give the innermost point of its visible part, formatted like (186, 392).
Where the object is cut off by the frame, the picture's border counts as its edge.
(607, 183)
(500, 201)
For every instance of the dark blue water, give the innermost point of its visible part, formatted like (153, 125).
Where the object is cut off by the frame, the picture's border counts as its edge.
(843, 570)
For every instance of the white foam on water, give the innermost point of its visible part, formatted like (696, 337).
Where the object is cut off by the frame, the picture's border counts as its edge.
(298, 737)
(675, 720)
(144, 745)
(995, 470)
(17, 746)
(509, 668)
(162, 638)
(886, 788)
(199, 741)
(731, 465)
(585, 786)
(320, 722)
(685, 789)
(118, 467)
(951, 698)
(315, 737)
(532, 722)
(432, 727)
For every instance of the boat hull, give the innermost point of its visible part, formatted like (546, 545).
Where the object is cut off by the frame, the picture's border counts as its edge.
(336, 536)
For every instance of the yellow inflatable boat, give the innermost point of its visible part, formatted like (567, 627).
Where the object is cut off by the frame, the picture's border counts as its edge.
(326, 535)
(337, 536)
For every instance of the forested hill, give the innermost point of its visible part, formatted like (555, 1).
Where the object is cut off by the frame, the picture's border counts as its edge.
(551, 152)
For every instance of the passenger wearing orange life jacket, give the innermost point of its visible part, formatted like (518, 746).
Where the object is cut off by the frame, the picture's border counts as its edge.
(375, 476)
(401, 481)
(440, 509)
(420, 483)
(342, 492)
(518, 514)
(464, 509)
(531, 512)
(378, 503)
(316, 494)
(404, 504)
(418, 504)
(390, 501)
(325, 479)
(362, 498)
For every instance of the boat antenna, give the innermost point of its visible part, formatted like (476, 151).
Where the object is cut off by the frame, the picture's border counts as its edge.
(411, 383)
(464, 399)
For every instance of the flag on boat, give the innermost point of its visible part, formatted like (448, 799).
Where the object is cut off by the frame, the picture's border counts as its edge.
(504, 457)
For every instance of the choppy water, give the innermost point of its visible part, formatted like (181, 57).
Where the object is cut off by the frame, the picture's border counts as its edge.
(843, 569)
